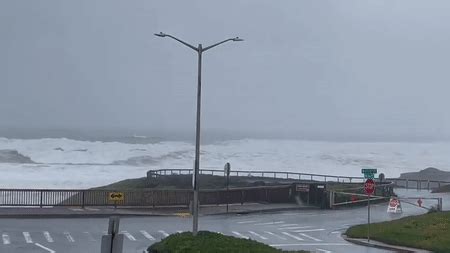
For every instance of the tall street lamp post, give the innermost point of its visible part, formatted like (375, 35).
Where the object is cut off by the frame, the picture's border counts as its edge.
(195, 187)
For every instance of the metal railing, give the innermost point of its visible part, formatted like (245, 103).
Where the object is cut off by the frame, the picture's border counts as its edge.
(417, 183)
(398, 182)
(82, 198)
(265, 174)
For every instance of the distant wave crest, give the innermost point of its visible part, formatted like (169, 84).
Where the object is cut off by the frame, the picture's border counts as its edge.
(12, 156)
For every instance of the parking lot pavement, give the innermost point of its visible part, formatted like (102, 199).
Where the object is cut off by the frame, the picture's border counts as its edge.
(312, 231)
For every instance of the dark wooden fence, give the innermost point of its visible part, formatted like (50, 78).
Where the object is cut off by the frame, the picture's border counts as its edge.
(82, 198)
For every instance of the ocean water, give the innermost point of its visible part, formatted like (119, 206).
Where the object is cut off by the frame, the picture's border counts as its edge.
(67, 163)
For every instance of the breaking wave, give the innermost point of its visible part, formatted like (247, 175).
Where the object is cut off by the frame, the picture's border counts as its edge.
(92, 163)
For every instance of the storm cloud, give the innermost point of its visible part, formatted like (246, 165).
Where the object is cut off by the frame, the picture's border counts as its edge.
(373, 68)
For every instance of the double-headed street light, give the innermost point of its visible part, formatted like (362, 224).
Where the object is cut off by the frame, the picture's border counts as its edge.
(195, 187)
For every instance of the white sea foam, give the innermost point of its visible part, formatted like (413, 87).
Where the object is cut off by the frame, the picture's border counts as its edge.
(69, 163)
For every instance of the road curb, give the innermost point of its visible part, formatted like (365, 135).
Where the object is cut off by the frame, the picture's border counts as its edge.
(180, 213)
(62, 216)
(382, 245)
(264, 210)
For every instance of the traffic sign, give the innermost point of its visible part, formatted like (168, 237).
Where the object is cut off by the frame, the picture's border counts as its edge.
(369, 176)
(116, 196)
(302, 187)
(369, 186)
(394, 206)
(369, 171)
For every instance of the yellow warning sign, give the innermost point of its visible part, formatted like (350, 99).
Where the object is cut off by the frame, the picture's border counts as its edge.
(116, 196)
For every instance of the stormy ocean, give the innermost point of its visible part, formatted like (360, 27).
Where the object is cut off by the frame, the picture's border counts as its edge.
(83, 163)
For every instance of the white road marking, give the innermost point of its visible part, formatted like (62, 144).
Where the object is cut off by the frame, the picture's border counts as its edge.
(258, 235)
(91, 238)
(294, 227)
(310, 244)
(292, 236)
(76, 209)
(147, 235)
(324, 250)
(69, 237)
(270, 223)
(44, 248)
(289, 225)
(129, 236)
(239, 234)
(92, 209)
(310, 237)
(245, 222)
(163, 233)
(6, 239)
(27, 237)
(278, 236)
(309, 230)
(47, 236)
(335, 232)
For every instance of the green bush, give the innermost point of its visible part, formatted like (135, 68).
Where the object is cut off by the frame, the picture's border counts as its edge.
(209, 242)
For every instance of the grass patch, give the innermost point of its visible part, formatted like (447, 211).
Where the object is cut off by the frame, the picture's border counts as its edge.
(206, 242)
(185, 182)
(429, 231)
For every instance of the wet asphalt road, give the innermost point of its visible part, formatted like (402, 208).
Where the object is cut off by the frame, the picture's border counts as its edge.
(317, 231)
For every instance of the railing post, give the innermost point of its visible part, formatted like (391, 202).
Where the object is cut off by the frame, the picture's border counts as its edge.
(407, 183)
(428, 184)
(242, 197)
(287, 175)
(331, 199)
(40, 202)
(82, 199)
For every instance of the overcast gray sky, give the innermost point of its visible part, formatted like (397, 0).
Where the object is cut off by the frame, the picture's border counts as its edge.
(311, 67)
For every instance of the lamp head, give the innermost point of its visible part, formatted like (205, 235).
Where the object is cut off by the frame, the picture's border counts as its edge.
(161, 34)
(237, 39)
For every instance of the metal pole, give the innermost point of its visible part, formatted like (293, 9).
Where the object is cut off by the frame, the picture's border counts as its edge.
(197, 143)
(368, 218)
(228, 188)
(195, 173)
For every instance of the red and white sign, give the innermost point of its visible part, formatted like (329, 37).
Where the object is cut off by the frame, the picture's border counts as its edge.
(394, 202)
(369, 186)
(394, 206)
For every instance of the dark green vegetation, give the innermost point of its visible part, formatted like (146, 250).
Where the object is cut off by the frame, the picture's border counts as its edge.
(206, 242)
(185, 182)
(429, 231)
